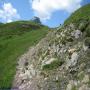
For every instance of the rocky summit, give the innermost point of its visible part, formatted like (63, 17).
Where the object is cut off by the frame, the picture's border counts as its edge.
(60, 61)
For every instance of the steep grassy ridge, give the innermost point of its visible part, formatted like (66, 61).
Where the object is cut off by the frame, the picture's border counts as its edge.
(81, 19)
(81, 14)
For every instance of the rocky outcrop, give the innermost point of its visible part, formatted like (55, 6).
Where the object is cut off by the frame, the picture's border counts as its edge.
(60, 61)
(36, 20)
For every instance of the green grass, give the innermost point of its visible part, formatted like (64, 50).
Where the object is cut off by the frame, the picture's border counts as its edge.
(55, 64)
(81, 14)
(14, 41)
(81, 19)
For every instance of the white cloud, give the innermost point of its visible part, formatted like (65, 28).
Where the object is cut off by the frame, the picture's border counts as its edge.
(8, 13)
(45, 8)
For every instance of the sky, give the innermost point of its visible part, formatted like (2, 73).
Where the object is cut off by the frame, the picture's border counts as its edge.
(51, 12)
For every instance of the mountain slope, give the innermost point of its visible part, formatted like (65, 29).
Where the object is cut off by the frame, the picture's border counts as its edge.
(60, 61)
(15, 39)
(80, 14)
(81, 19)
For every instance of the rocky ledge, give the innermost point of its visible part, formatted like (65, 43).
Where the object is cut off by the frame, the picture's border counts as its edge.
(60, 61)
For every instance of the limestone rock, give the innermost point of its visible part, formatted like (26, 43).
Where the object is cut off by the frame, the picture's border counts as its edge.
(76, 34)
(73, 60)
(63, 49)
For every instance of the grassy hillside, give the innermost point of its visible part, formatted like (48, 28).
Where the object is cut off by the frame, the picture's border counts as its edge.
(81, 19)
(15, 39)
(77, 16)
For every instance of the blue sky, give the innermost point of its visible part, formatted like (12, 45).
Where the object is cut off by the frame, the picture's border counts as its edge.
(50, 14)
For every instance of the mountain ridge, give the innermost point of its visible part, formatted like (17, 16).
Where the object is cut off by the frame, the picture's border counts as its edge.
(60, 61)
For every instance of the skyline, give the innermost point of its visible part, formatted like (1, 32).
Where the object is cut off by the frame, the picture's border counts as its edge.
(52, 14)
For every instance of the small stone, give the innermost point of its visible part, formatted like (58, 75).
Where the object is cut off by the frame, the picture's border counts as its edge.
(85, 79)
(69, 87)
(49, 61)
(71, 50)
(56, 78)
(88, 70)
(45, 79)
(76, 33)
(85, 48)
